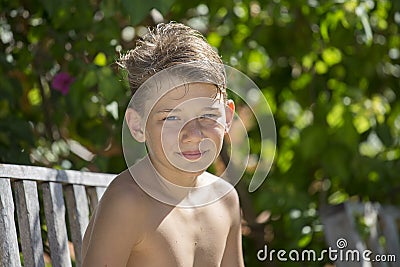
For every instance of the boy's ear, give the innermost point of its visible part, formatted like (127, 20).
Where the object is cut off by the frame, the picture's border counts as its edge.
(230, 112)
(134, 122)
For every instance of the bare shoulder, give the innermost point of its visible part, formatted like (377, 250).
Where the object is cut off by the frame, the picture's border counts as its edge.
(124, 189)
(116, 222)
(123, 201)
(227, 191)
(231, 198)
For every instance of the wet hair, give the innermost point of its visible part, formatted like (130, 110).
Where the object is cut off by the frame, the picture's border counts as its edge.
(169, 45)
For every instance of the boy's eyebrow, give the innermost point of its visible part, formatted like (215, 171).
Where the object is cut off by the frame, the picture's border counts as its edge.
(211, 108)
(169, 110)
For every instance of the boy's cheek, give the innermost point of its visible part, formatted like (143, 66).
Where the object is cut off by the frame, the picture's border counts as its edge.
(169, 135)
(218, 128)
(171, 126)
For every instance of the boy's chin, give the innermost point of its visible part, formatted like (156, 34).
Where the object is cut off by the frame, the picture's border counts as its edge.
(199, 165)
(192, 170)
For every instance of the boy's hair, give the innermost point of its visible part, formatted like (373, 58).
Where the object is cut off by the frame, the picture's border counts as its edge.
(168, 45)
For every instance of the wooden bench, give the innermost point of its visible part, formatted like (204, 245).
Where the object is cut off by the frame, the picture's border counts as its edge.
(65, 197)
(363, 226)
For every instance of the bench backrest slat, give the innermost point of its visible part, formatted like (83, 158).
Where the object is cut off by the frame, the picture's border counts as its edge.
(9, 253)
(389, 226)
(78, 213)
(338, 224)
(28, 211)
(94, 193)
(54, 209)
(52, 175)
(380, 223)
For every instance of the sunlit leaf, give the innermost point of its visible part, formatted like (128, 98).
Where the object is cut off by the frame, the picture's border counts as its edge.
(338, 197)
(214, 39)
(372, 146)
(257, 60)
(305, 240)
(241, 10)
(324, 30)
(373, 176)
(308, 60)
(285, 157)
(321, 67)
(335, 116)
(100, 59)
(34, 97)
(331, 56)
(302, 81)
(350, 5)
(361, 123)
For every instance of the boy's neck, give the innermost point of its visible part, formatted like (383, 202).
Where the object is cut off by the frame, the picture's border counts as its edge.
(197, 193)
(164, 188)
(174, 177)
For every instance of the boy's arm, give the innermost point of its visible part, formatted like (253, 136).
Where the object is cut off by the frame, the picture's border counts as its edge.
(113, 232)
(233, 256)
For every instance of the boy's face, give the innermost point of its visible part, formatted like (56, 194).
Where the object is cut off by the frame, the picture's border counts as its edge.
(185, 128)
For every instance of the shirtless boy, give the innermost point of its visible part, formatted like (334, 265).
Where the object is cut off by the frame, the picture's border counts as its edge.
(166, 210)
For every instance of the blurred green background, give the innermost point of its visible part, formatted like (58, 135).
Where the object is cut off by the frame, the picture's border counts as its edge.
(330, 71)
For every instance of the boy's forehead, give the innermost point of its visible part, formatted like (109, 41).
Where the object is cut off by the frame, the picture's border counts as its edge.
(203, 93)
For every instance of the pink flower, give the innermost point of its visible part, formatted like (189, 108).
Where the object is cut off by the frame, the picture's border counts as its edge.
(62, 82)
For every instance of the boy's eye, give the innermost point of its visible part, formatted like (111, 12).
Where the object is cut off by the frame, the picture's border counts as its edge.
(171, 118)
(208, 119)
(208, 116)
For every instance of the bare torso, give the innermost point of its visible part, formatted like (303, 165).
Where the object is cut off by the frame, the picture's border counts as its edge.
(182, 237)
(169, 235)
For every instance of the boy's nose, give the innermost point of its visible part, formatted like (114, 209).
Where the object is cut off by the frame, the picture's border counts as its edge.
(191, 132)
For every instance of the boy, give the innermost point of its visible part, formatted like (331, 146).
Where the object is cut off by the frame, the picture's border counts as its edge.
(166, 210)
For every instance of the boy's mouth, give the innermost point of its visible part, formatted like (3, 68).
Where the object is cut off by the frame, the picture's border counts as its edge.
(192, 155)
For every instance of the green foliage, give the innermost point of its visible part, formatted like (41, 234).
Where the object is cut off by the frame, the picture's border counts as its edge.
(329, 69)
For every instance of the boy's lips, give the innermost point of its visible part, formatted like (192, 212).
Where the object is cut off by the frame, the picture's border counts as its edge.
(192, 155)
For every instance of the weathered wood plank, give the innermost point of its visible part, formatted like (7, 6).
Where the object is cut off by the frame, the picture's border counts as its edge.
(339, 224)
(54, 208)
(370, 215)
(27, 204)
(389, 216)
(93, 200)
(52, 175)
(100, 192)
(9, 253)
(95, 194)
(78, 212)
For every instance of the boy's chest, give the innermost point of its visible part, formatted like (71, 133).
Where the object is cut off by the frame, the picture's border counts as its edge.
(189, 237)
